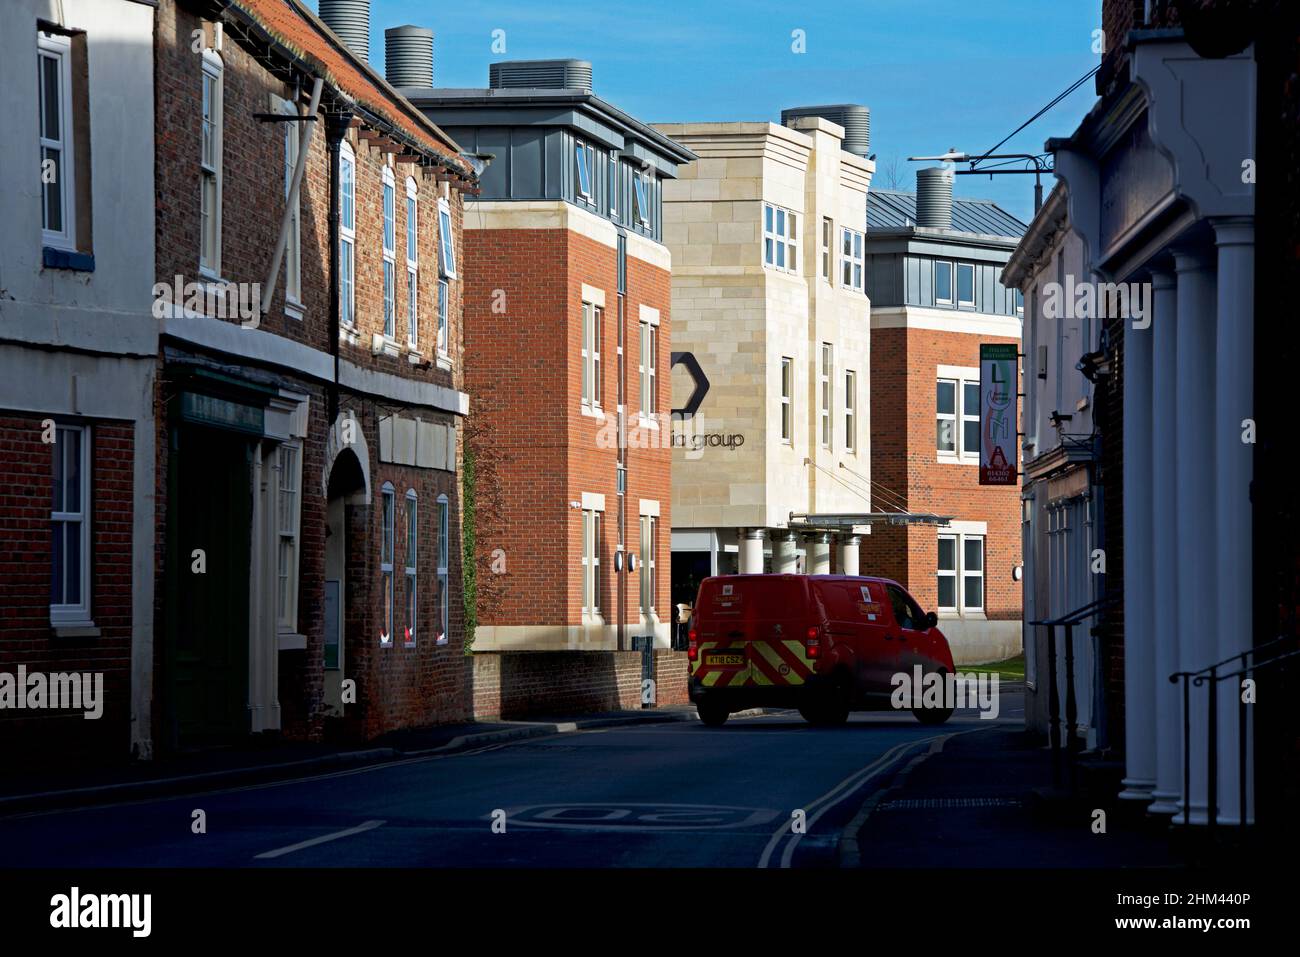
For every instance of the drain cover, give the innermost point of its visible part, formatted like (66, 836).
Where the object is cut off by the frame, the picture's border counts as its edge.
(914, 804)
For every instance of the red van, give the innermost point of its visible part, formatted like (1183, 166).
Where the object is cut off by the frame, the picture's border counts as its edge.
(825, 644)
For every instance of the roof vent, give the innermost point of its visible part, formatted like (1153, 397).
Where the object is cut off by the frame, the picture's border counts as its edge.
(854, 117)
(408, 56)
(934, 198)
(350, 20)
(540, 75)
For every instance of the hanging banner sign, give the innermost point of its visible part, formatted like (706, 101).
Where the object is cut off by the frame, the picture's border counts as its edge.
(999, 373)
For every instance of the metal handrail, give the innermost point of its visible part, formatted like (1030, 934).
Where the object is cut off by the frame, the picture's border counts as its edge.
(1210, 677)
(1068, 621)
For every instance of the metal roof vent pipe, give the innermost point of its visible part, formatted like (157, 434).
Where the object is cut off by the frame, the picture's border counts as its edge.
(934, 198)
(854, 117)
(408, 56)
(350, 20)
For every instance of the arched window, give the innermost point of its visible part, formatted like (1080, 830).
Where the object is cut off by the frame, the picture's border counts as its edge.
(444, 555)
(412, 553)
(412, 264)
(388, 506)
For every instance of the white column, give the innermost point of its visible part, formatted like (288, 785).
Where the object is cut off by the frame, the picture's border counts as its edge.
(785, 560)
(1164, 558)
(1139, 611)
(819, 554)
(1197, 562)
(849, 553)
(751, 551)
(1234, 397)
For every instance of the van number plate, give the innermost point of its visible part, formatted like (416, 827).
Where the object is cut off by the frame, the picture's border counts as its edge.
(731, 658)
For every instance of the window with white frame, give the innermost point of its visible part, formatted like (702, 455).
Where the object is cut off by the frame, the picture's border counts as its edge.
(850, 411)
(583, 171)
(412, 265)
(1020, 302)
(347, 235)
(58, 215)
(444, 554)
(780, 238)
(787, 399)
(412, 557)
(960, 573)
(591, 563)
(641, 199)
(966, 284)
(943, 282)
(851, 259)
(649, 367)
(293, 244)
(957, 415)
(288, 466)
(390, 254)
(828, 247)
(443, 349)
(70, 527)
(592, 321)
(389, 503)
(446, 241)
(827, 386)
(210, 151)
(649, 534)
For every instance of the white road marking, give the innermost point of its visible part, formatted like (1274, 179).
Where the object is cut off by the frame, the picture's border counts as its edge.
(830, 799)
(323, 839)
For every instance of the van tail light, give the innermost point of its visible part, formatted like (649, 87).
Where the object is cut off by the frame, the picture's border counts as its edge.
(692, 649)
(812, 642)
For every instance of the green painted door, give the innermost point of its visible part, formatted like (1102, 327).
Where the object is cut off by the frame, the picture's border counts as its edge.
(210, 509)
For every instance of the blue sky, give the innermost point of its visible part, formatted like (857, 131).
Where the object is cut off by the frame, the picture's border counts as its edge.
(935, 73)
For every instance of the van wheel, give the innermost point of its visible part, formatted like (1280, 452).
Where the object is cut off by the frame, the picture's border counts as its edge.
(831, 709)
(712, 715)
(933, 716)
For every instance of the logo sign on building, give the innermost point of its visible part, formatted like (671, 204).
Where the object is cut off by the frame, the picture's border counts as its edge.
(999, 368)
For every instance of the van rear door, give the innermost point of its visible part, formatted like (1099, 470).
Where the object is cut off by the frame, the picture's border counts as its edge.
(751, 629)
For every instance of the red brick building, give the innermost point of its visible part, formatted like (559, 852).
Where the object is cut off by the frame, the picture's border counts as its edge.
(568, 342)
(935, 298)
(308, 503)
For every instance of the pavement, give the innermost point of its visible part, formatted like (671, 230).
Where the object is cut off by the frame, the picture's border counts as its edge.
(983, 798)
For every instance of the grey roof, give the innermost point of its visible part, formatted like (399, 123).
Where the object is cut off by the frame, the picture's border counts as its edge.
(896, 209)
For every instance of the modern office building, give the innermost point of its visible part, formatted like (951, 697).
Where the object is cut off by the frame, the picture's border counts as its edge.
(568, 343)
(933, 263)
(770, 304)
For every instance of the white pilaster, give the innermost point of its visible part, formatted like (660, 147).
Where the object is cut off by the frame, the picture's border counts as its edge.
(1164, 560)
(850, 549)
(1139, 611)
(751, 551)
(785, 558)
(1197, 562)
(819, 554)
(1234, 388)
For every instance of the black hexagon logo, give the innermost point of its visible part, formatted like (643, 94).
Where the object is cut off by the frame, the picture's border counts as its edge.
(698, 377)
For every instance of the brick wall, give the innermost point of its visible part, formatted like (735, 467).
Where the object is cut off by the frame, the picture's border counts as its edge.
(904, 370)
(523, 683)
(26, 637)
(524, 357)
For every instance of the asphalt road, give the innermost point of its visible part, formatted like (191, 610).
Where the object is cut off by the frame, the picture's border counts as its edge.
(668, 795)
